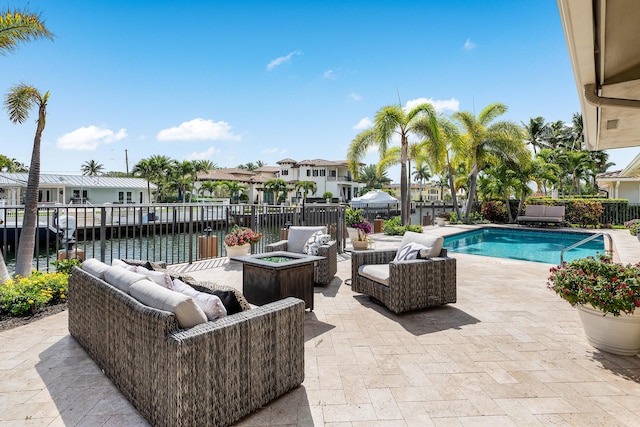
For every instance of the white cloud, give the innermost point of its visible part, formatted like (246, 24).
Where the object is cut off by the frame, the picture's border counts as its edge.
(439, 104)
(282, 60)
(354, 96)
(364, 123)
(89, 138)
(274, 150)
(198, 130)
(329, 74)
(468, 45)
(203, 155)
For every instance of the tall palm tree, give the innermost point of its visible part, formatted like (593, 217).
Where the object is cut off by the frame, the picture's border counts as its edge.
(20, 99)
(422, 174)
(389, 121)
(17, 27)
(162, 167)
(486, 139)
(92, 168)
(374, 177)
(235, 189)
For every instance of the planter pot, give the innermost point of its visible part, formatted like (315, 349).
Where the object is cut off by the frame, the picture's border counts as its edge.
(239, 250)
(360, 245)
(440, 222)
(353, 233)
(617, 335)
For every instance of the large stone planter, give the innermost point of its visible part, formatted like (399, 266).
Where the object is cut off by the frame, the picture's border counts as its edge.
(239, 250)
(617, 335)
(440, 221)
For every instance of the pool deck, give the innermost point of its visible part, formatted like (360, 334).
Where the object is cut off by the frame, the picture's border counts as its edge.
(509, 352)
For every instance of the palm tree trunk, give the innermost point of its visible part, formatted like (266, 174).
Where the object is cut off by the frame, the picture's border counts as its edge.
(473, 178)
(454, 197)
(4, 273)
(404, 196)
(26, 246)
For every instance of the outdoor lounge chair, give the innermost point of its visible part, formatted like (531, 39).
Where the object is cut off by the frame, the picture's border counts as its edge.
(324, 270)
(542, 214)
(405, 285)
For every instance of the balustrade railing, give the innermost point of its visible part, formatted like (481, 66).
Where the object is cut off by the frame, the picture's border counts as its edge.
(173, 233)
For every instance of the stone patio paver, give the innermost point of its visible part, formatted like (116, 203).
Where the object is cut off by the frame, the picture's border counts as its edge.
(509, 352)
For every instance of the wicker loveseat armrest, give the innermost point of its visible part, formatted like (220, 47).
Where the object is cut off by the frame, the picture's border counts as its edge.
(277, 246)
(239, 363)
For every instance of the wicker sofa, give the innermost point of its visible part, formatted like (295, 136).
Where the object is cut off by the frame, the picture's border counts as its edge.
(211, 374)
(324, 270)
(405, 285)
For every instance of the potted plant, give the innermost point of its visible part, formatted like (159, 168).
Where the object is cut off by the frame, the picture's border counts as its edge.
(238, 241)
(607, 295)
(634, 227)
(328, 196)
(441, 218)
(362, 239)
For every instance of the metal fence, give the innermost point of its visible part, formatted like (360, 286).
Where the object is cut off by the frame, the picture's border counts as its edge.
(174, 233)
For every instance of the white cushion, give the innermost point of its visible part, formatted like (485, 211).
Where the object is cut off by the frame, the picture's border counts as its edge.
(376, 272)
(119, 263)
(183, 307)
(412, 251)
(316, 240)
(298, 236)
(433, 242)
(122, 278)
(210, 304)
(95, 267)
(162, 278)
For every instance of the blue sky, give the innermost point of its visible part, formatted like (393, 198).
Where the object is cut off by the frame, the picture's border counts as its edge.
(242, 81)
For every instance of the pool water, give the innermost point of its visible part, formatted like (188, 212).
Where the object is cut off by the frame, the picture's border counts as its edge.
(526, 245)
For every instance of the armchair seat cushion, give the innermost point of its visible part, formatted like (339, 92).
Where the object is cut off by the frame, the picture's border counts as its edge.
(430, 241)
(376, 272)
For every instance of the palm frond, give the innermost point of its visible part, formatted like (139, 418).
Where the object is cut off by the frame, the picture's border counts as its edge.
(19, 27)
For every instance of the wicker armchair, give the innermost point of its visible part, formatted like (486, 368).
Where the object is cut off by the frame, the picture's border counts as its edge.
(324, 270)
(410, 284)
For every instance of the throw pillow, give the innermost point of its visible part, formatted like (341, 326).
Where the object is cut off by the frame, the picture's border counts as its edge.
(228, 298)
(427, 239)
(412, 251)
(122, 278)
(187, 312)
(160, 277)
(95, 267)
(298, 236)
(314, 242)
(232, 298)
(119, 263)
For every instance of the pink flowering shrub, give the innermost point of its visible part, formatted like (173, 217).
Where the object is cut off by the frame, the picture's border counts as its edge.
(605, 285)
(241, 236)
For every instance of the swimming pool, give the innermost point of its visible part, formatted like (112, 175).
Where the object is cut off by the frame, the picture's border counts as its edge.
(526, 245)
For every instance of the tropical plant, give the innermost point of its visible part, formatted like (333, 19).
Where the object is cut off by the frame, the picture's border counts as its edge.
(633, 226)
(144, 169)
(17, 27)
(278, 187)
(353, 216)
(389, 121)
(422, 174)
(20, 99)
(235, 189)
(327, 195)
(487, 141)
(606, 286)
(12, 165)
(241, 236)
(306, 187)
(26, 295)
(92, 168)
(374, 177)
(393, 227)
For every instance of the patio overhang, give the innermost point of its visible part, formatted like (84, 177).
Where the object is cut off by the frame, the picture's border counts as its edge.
(602, 39)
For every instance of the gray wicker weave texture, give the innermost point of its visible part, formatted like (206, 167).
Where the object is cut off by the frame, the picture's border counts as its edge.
(210, 375)
(326, 269)
(413, 284)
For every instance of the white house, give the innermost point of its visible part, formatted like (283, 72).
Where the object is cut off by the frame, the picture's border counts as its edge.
(56, 188)
(622, 184)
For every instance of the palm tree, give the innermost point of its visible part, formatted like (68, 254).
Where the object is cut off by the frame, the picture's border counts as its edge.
(161, 167)
(277, 186)
(235, 189)
(306, 187)
(486, 140)
(17, 27)
(393, 120)
(20, 99)
(144, 169)
(92, 168)
(535, 133)
(208, 186)
(422, 174)
(374, 177)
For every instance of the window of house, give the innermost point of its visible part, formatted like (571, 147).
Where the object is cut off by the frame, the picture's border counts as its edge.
(323, 172)
(308, 172)
(315, 172)
(332, 173)
(285, 172)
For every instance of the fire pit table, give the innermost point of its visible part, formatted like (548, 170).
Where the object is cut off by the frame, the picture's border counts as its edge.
(272, 276)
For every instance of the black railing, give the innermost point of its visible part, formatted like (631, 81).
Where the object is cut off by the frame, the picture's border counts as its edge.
(173, 233)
